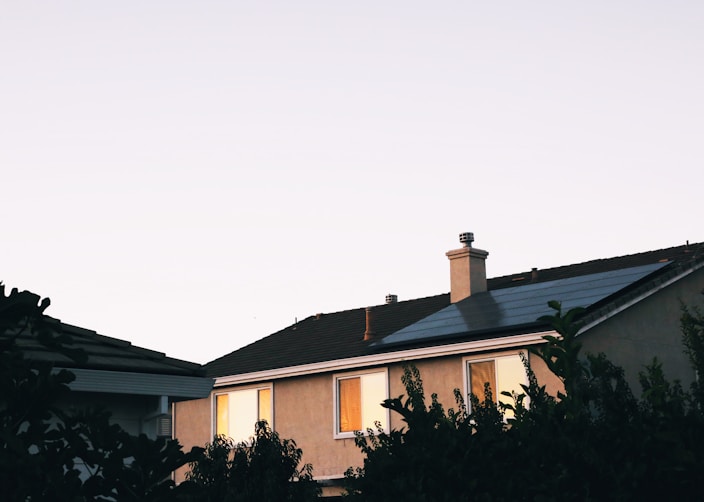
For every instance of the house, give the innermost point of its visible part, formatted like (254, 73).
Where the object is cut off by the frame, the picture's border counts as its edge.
(136, 385)
(320, 379)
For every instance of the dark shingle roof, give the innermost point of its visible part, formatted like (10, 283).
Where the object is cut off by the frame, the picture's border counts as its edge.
(340, 335)
(324, 337)
(105, 353)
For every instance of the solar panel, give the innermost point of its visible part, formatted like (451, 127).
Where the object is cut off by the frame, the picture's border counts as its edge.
(517, 306)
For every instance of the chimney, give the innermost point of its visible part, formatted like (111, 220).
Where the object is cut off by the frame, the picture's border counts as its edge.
(391, 299)
(467, 269)
(369, 332)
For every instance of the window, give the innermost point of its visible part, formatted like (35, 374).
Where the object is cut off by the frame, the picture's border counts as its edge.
(502, 373)
(238, 411)
(358, 401)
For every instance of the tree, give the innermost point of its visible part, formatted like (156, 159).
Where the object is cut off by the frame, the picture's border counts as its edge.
(48, 454)
(264, 469)
(594, 441)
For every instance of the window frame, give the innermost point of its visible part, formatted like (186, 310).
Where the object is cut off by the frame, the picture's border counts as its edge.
(337, 434)
(220, 392)
(496, 393)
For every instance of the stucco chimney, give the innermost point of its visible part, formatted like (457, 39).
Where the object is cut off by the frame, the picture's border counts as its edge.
(467, 269)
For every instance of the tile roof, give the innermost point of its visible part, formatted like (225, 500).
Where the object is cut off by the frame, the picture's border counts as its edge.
(106, 353)
(340, 335)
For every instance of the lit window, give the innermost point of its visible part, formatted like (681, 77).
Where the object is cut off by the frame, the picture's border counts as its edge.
(502, 373)
(358, 401)
(237, 412)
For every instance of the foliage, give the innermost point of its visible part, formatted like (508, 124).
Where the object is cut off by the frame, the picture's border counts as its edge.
(47, 453)
(266, 468)
(592, 441)
(692, 324)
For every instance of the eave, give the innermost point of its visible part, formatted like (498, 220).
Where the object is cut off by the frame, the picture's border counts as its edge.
(177, 387)
(378, 359)
(644, 291)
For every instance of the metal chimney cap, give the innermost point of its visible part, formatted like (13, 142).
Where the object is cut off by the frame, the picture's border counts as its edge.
(466, 238)
(391, 298)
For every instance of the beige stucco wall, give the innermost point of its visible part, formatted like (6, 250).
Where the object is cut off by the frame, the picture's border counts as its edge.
(303, 411)
(192, 426)
(650, 328)
(440, 375)
(544, 376)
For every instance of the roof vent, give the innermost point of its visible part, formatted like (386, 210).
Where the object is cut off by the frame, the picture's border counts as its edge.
(391, 299)
(466, 239)
(163, 426)
(369, 332)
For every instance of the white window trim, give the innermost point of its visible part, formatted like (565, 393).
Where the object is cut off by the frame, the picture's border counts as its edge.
(483, 358)
(335, 408)
(221, 391)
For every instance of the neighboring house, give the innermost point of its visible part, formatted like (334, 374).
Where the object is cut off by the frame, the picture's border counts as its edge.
(322, 378)
(137, 386)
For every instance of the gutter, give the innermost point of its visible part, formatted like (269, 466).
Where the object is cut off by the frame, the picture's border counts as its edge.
(385, 358)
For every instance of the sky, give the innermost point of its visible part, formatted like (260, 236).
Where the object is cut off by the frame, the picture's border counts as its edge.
(192, 176)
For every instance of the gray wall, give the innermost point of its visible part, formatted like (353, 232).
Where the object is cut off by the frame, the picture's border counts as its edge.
(649, 329)
(127, 411)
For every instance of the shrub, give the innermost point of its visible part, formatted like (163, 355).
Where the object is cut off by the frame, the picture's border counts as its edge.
(266, 468)
(594, 441)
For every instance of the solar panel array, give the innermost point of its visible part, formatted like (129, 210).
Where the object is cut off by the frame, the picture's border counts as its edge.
(518, 306)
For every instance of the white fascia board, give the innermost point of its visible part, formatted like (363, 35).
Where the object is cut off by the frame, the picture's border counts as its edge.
(640, 298)
(329, 480)
(386, 358)
(125, 382)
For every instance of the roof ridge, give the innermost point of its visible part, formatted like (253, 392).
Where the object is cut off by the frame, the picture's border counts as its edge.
(695, 247)
(364, 307)
(152, 354)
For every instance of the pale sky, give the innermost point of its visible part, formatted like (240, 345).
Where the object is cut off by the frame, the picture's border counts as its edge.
(192, 176)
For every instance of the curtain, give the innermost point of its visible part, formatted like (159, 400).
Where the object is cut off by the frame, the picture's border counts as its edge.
(479, 374)
(350, 404)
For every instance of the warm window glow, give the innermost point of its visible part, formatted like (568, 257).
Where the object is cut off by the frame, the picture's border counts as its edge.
(511, 374)
(359, 401)
(350, 398)
(480, 374)
(237, 412)
(505, 373)
(222, 410)
(373, 394)
(265, 406)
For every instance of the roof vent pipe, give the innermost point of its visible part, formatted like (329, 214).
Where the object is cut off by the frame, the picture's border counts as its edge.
(369, 332)
(391, 299)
